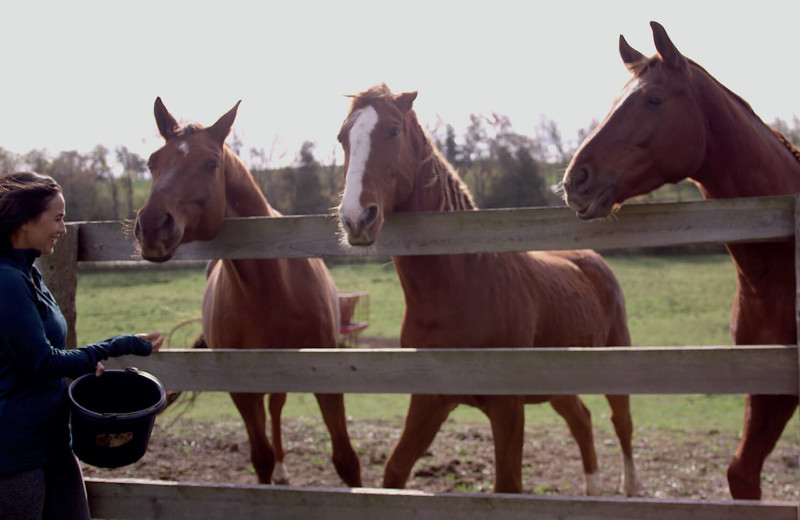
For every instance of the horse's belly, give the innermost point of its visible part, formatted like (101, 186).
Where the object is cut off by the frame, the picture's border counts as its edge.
(485, 331)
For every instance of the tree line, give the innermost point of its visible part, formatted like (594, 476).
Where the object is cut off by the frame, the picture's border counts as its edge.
(99, 185)
(502, 168)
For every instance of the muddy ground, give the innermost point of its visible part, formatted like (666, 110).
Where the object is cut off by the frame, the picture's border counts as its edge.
(672, 464)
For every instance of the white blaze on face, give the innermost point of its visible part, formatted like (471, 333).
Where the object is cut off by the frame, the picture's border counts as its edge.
(365, 120)
(171, 176)
(633, 86)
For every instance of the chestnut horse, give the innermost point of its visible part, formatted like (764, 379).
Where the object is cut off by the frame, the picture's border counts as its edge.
(198, 181)
(476, 300)
(673, 120)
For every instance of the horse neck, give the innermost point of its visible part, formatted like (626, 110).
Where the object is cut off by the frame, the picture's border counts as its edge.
(244, 197)
(744, 158)
(428, 278)
(436, 188)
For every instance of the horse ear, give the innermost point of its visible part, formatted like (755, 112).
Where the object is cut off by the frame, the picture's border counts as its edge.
(164, 120)
(405, 100)
(222, 127)
(666, 49)
(630, 56)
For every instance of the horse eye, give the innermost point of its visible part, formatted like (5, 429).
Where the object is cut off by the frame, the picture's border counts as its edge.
(212, 165)
(394, 132)
(655, 101)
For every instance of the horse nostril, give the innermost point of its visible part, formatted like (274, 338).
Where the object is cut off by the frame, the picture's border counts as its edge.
(582, 176)
(370, 215)
(346, 222)
(167, 224)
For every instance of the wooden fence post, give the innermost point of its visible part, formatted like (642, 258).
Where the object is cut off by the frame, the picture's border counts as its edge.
(797, 292)
(60, 274)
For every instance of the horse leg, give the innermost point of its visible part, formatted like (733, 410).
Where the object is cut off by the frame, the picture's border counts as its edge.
(765, 418)
(507, 417)
(425, 416)
(251, 408)
(623, 425)
(276, 402)
(579, 420)
(344, 457)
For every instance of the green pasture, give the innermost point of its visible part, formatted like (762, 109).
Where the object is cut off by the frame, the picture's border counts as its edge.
(671, 300)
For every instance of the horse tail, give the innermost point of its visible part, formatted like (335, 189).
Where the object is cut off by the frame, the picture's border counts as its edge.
(200, 342)
(172, 395)
(210, 266)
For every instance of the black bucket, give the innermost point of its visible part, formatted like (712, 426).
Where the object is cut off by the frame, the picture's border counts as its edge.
(113, 416)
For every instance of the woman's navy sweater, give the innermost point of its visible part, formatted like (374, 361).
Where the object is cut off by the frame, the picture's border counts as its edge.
(34, 410)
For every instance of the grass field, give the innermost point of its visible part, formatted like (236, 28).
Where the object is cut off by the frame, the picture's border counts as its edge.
(683, 300)
(671, 300)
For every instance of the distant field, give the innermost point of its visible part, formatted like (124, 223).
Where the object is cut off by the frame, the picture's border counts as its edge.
(681, 300)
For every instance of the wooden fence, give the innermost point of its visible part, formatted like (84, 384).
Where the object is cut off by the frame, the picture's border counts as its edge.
(772, 369)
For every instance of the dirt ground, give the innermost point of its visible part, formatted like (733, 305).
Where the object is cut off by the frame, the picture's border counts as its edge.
(671, 464)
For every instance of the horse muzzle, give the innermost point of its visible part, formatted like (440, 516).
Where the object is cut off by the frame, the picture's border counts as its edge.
(588, 195)
(363, 229)
(159, 239)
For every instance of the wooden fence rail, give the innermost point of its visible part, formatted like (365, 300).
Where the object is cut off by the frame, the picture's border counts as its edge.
(760, 369)
(549, 371)
(500, 230)
(142, 500)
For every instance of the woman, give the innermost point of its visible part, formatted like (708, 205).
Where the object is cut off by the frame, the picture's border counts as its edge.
(39, 475)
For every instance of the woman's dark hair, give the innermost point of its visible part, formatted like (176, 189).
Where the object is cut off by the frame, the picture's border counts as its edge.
(24, 196)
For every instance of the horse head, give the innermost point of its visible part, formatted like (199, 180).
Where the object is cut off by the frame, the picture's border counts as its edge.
(187, 199)
(380, 138)
(654, 133)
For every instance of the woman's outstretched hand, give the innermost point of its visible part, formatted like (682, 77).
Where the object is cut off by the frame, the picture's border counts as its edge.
(155, 339)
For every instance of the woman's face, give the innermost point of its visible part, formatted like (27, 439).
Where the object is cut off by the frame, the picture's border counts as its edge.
(42, 232)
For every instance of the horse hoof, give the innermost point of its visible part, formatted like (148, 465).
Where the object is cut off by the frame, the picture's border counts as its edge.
(593, 487)
(630, 483)
(631, 487)
(279, 475)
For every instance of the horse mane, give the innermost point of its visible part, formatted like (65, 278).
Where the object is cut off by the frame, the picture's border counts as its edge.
(649, 63)
(736, 97)
(188, 129)
(455, 194)
(794, 150)
(377, 92)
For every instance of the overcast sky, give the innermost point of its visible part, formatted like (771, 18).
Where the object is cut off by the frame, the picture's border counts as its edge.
(76, 74)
